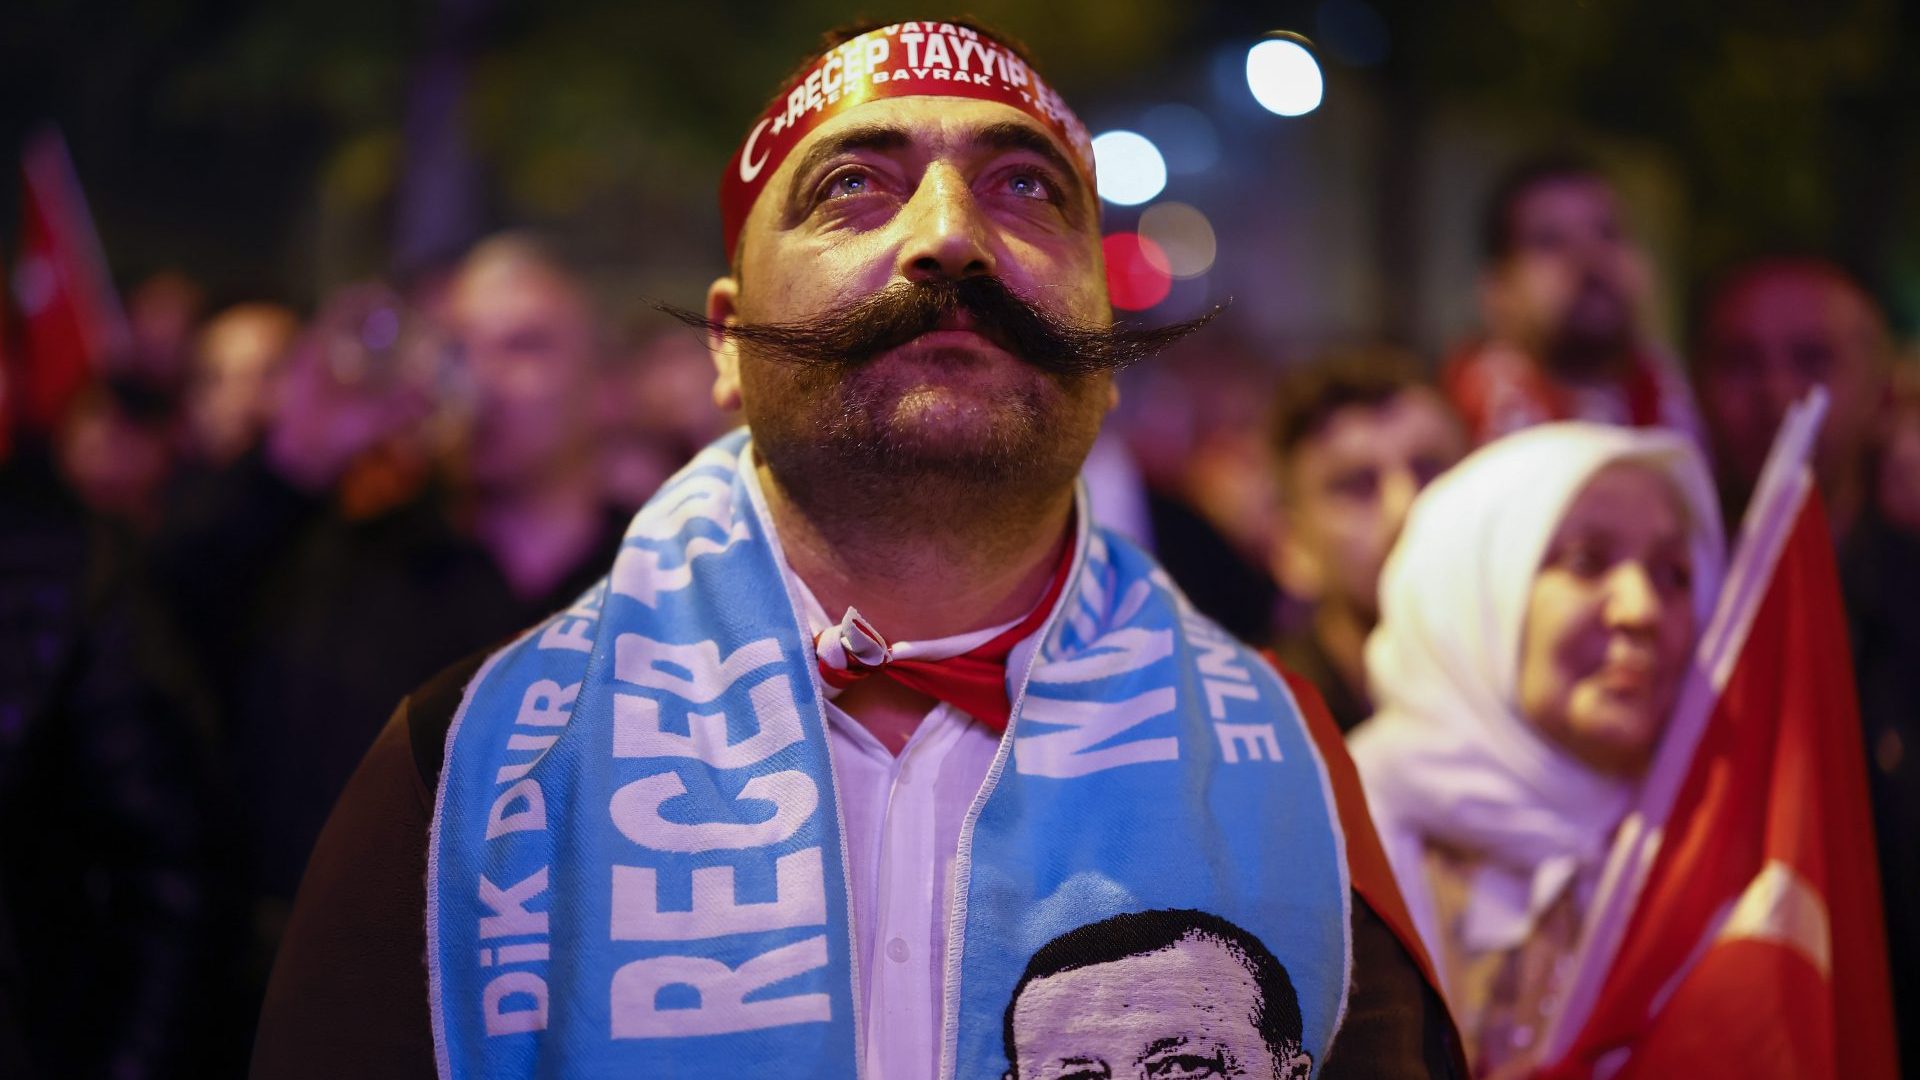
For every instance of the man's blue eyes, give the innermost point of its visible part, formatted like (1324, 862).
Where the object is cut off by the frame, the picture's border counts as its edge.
(1022, 185)
(848, 184)
(1027, 185)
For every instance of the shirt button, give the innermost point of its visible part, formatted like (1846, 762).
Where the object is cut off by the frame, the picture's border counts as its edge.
(897, 950)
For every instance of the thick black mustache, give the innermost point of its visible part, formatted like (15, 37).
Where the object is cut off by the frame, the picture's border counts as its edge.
(856, 332)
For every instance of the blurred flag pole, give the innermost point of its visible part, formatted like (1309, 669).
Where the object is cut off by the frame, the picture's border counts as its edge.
(1776, 500)
(1736, 927)
(71, 321)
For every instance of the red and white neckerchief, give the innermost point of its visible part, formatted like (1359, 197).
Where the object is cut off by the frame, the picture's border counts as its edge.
(967, 671)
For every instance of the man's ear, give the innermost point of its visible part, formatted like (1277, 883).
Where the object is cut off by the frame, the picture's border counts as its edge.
(722, 308)
(1297, 1067)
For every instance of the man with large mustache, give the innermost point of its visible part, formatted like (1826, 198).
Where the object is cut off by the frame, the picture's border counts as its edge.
(1016, 727)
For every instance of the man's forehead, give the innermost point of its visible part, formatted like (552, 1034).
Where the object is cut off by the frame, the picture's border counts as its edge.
(943, 61)
(1558, 196)
(1779, 300)
(515, 285)
(923, 124)
(1412, 419)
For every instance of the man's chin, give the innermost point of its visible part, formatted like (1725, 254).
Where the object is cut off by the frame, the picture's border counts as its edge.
(1598, 326)
(937, 430)
(1591, 354)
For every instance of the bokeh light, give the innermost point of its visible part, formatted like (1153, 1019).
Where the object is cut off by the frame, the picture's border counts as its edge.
(1129, 167)
(1137, 274)
(1284, 77)
(1184, 236)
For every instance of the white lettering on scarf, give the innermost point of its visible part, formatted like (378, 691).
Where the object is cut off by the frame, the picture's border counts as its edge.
(1075, 750)
(1227, 685)
(680, 678)
(573, 628)
(696, 497)
(1083, 744)
(509, 917)
(722, 990)
(515, 1002)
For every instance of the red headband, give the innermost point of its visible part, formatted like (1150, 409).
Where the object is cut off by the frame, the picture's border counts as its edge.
(902, 60)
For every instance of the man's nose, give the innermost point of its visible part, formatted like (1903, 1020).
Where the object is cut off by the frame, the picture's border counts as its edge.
(946, 233)
(1783, 387)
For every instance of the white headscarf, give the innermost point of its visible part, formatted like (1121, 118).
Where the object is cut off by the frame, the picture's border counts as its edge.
(1447, 756)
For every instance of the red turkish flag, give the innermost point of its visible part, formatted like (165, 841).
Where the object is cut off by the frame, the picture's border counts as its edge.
(70, 318)
(1755, 946)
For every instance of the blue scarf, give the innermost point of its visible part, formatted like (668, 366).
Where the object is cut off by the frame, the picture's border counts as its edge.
(637, 867)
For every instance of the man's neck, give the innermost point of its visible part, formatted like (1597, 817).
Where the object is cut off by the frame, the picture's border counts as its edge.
(928, 571)
(539, 533)
(921, 559)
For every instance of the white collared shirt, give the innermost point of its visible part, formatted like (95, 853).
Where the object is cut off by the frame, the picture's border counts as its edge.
(901, 817)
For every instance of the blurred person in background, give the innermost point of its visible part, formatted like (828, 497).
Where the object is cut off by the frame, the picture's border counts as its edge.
(1537, 617)
(238, 541)
(1773, 329)
(120, 443)
(116, 448)
(654, 410)
(1356, 435)
(371, 597)
(526, 476)
(164, 313)
(229, 399)
(104, 897)
(423, 490)
(1563, 299)
(1194, 424)
(1897, 488)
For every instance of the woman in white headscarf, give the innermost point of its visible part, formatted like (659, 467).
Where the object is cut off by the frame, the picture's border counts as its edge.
(1537, 618)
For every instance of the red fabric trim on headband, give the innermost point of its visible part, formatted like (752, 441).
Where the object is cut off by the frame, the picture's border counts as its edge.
(903, 60)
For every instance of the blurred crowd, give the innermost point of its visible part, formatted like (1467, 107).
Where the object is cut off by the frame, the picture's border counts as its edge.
(1275, 496)
(251, 534)
(243, 544)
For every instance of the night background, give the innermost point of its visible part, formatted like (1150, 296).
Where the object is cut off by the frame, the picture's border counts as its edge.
(258, 509)
(279, 149)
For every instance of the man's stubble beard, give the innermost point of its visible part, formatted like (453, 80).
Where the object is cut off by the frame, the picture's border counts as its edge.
(830, 399)
(1582, 346)
(869, 447)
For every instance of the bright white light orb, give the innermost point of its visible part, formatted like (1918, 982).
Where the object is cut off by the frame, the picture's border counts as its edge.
(1128, 167)
(1284, 77)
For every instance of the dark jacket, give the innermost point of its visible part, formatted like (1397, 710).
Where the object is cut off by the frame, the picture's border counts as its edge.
(102, 897)
(349, 994)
